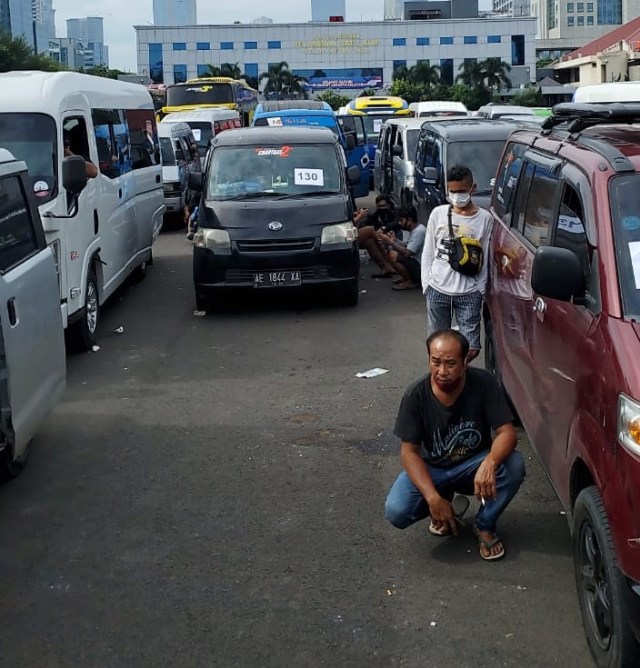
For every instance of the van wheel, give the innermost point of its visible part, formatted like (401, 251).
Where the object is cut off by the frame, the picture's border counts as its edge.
(601, 585)
(11, 468)
(83, 332)
(348, 294)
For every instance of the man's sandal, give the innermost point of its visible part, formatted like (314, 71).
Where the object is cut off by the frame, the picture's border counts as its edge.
(488, 545)
(460, 506)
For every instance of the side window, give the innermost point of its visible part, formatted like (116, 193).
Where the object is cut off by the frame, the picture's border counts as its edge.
(76, 139)
(539, 212)
(399, 141)
(428, 151)
(570, 232)
(143, 137)
(18, 239)
(105, 123)
(507, 181)
(437, 158)
(184, 146)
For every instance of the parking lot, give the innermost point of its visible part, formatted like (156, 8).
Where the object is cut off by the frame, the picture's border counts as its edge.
(210, 492)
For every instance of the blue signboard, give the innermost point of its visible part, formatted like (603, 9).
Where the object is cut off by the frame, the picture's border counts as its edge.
(354, 78)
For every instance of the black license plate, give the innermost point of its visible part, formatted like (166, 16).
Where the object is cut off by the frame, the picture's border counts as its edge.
(276, 279)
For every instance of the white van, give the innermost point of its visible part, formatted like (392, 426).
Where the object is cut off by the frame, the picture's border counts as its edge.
(32, 353)
(206, 124)
(438, 108)
(512, 111)
(618, 91)
(108, 234)
(180, 158)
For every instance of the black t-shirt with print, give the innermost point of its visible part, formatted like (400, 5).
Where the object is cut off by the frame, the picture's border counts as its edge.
(448, 435)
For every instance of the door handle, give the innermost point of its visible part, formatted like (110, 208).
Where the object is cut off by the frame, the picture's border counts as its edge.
(540, 306)
(11, 308)
(96, 221)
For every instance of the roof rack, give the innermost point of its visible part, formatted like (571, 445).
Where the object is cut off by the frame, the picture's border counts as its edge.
(572, 119)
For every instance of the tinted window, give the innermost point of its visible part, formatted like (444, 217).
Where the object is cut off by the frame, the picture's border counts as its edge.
(32, 138)
(481, 157)
(166, 151)
(112, 141)
(143, 136)
(412, 143)
(18, 240)
(507, 180)
(540, 209)
(194, 94)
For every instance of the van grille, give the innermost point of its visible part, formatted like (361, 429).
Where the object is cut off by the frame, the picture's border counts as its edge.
(275, 245)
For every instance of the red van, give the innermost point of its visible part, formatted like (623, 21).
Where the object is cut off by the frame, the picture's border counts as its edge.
(563, 336)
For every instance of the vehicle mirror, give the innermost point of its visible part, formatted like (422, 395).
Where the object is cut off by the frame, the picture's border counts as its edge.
(350, 141)
(557, 274)
(431, 176)
(354, 175)
(195, 181)
(74, 174)
(397, 151)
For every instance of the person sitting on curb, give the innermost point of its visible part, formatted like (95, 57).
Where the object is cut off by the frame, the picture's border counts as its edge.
(405, 256)
(457, 436)
(369, 224)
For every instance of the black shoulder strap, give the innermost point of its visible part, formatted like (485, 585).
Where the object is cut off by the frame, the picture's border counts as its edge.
(449, 216)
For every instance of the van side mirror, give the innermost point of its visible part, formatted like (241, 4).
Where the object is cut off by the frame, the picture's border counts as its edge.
(74, 174)
(354, 175)
(195, 181)
(557, 274)
(431, 176)
(397, 151)
(350, 141)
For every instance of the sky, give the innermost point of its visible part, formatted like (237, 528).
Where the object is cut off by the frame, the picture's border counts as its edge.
(121, 15)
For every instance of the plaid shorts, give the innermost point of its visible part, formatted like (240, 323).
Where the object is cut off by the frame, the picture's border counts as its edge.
(467, 309)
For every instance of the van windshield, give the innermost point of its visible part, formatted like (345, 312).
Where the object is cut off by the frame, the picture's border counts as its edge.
(481, 157)
(624, 196)
(372, 125)
(32, 138)
(166, 150)
(202, 133)
(182, 95)
(300, 120)
(300, 170)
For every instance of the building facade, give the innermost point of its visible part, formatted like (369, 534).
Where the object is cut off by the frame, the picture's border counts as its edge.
(31, 19)
(342, 56)
(327, 10)
(89, 32)
(175, 12)
(440, 9)
(68, 52)
(393, 10)
(5, 16)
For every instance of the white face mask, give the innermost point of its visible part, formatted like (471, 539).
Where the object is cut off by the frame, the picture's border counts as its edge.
(459, 199)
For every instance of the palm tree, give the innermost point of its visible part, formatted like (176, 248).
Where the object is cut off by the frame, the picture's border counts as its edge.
(472, 74)
(426, 74)
(281, 81)
(231, 70)
(213, 71)
(495, 73)
(400, 73)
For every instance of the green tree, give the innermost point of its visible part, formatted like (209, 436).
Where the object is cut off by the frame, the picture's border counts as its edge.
(104, 72)
(426, 74)
(496, 73)
(231, 70)
(472, 98)
(411, 92)
(213, 71)
(368, 92)
(334, 100)
(529, 97)
(16, 54)
(472, 74)
(282, 82)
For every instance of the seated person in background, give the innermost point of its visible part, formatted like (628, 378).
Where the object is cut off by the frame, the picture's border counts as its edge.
(191, 209)
(90, 168)
(405, 256)
(368, 224)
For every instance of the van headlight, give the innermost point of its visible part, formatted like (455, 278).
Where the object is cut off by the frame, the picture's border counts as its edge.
(213, 239)
(342, 233)
(629, 424)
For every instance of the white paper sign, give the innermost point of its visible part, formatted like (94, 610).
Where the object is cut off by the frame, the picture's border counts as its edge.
(377, 124)
(197, 134)
(275, 122)
(308, 177)
(634, 249)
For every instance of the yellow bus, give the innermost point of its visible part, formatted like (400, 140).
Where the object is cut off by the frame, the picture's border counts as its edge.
(213, 93)
(377, 109)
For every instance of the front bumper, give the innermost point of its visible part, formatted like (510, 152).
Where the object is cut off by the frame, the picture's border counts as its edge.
(173, 203)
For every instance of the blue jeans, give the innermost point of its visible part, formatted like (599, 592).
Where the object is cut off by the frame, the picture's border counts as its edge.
(468, 308)
(405, 504)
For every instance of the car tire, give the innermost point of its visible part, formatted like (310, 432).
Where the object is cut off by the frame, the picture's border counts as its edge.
(84, 332)
(348, 293)
(600, 585)
(11, 468)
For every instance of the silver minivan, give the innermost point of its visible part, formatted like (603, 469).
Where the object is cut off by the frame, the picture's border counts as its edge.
(32, 348)
(180, 157)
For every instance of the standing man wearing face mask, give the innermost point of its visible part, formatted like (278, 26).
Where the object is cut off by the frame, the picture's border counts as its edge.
(448, 291)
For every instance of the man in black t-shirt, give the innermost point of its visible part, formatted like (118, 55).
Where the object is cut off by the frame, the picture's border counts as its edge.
(457, 436)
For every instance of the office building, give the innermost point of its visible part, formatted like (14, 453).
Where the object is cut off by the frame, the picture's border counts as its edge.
(175, 12)
(5, 16)
(31, 19)
(512, 7)
(89, 32)
(260, 20)
(68, 52)
(440, 9)
(393, 10)
(328, 10)
(344, 56)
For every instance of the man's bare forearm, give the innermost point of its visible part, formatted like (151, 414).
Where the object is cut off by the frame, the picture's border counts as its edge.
(417, 471)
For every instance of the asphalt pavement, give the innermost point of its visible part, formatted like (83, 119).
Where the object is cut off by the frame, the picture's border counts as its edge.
(210, 493)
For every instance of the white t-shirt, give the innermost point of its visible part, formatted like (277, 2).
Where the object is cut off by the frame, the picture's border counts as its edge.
(415, 243)
(436, 270)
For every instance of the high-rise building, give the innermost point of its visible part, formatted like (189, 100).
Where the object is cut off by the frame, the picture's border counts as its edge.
(175, 13)
(393, 10)
(512, 7)
(31, 19)
(327, 10)
(89, 32)
(261, 20)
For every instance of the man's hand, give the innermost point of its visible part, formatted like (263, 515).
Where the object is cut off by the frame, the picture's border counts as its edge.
(442, 515)
(485, 480)
(360, 215)
(385, 238)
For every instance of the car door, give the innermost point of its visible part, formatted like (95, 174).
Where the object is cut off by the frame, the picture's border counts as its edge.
(561, 331)
(379, 159)
(358, 156)
(33, 352)
(397, 166)
(436, 191)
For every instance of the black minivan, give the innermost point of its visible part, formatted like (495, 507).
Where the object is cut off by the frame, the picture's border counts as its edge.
(276, 212)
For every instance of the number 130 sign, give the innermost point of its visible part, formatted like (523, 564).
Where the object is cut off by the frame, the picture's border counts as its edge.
(309, 177)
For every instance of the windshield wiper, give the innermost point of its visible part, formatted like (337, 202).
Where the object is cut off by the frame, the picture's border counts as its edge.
(257, 195)
(311, 193)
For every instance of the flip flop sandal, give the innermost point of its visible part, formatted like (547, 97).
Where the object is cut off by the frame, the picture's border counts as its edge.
(386, 274)
(460, 506)
(488, 545)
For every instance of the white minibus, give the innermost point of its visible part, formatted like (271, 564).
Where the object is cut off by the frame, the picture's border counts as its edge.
(107, 233)
(438, 108)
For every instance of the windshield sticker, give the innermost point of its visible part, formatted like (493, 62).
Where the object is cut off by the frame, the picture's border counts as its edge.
(283, 152)
(275, 122)
(279, 181)
(200, 89)
(308, 177)
(634, 250)
(631, 223)
(40, 188)
(377, 124)
(197, 134)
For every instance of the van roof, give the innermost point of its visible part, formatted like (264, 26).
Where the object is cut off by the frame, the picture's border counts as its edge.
(282, 105)
(438, 105)
(266, 135)
(6, 156)
(472, 128)
(618, 91)
(404, 122)
(171, 129)
(200, 115)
